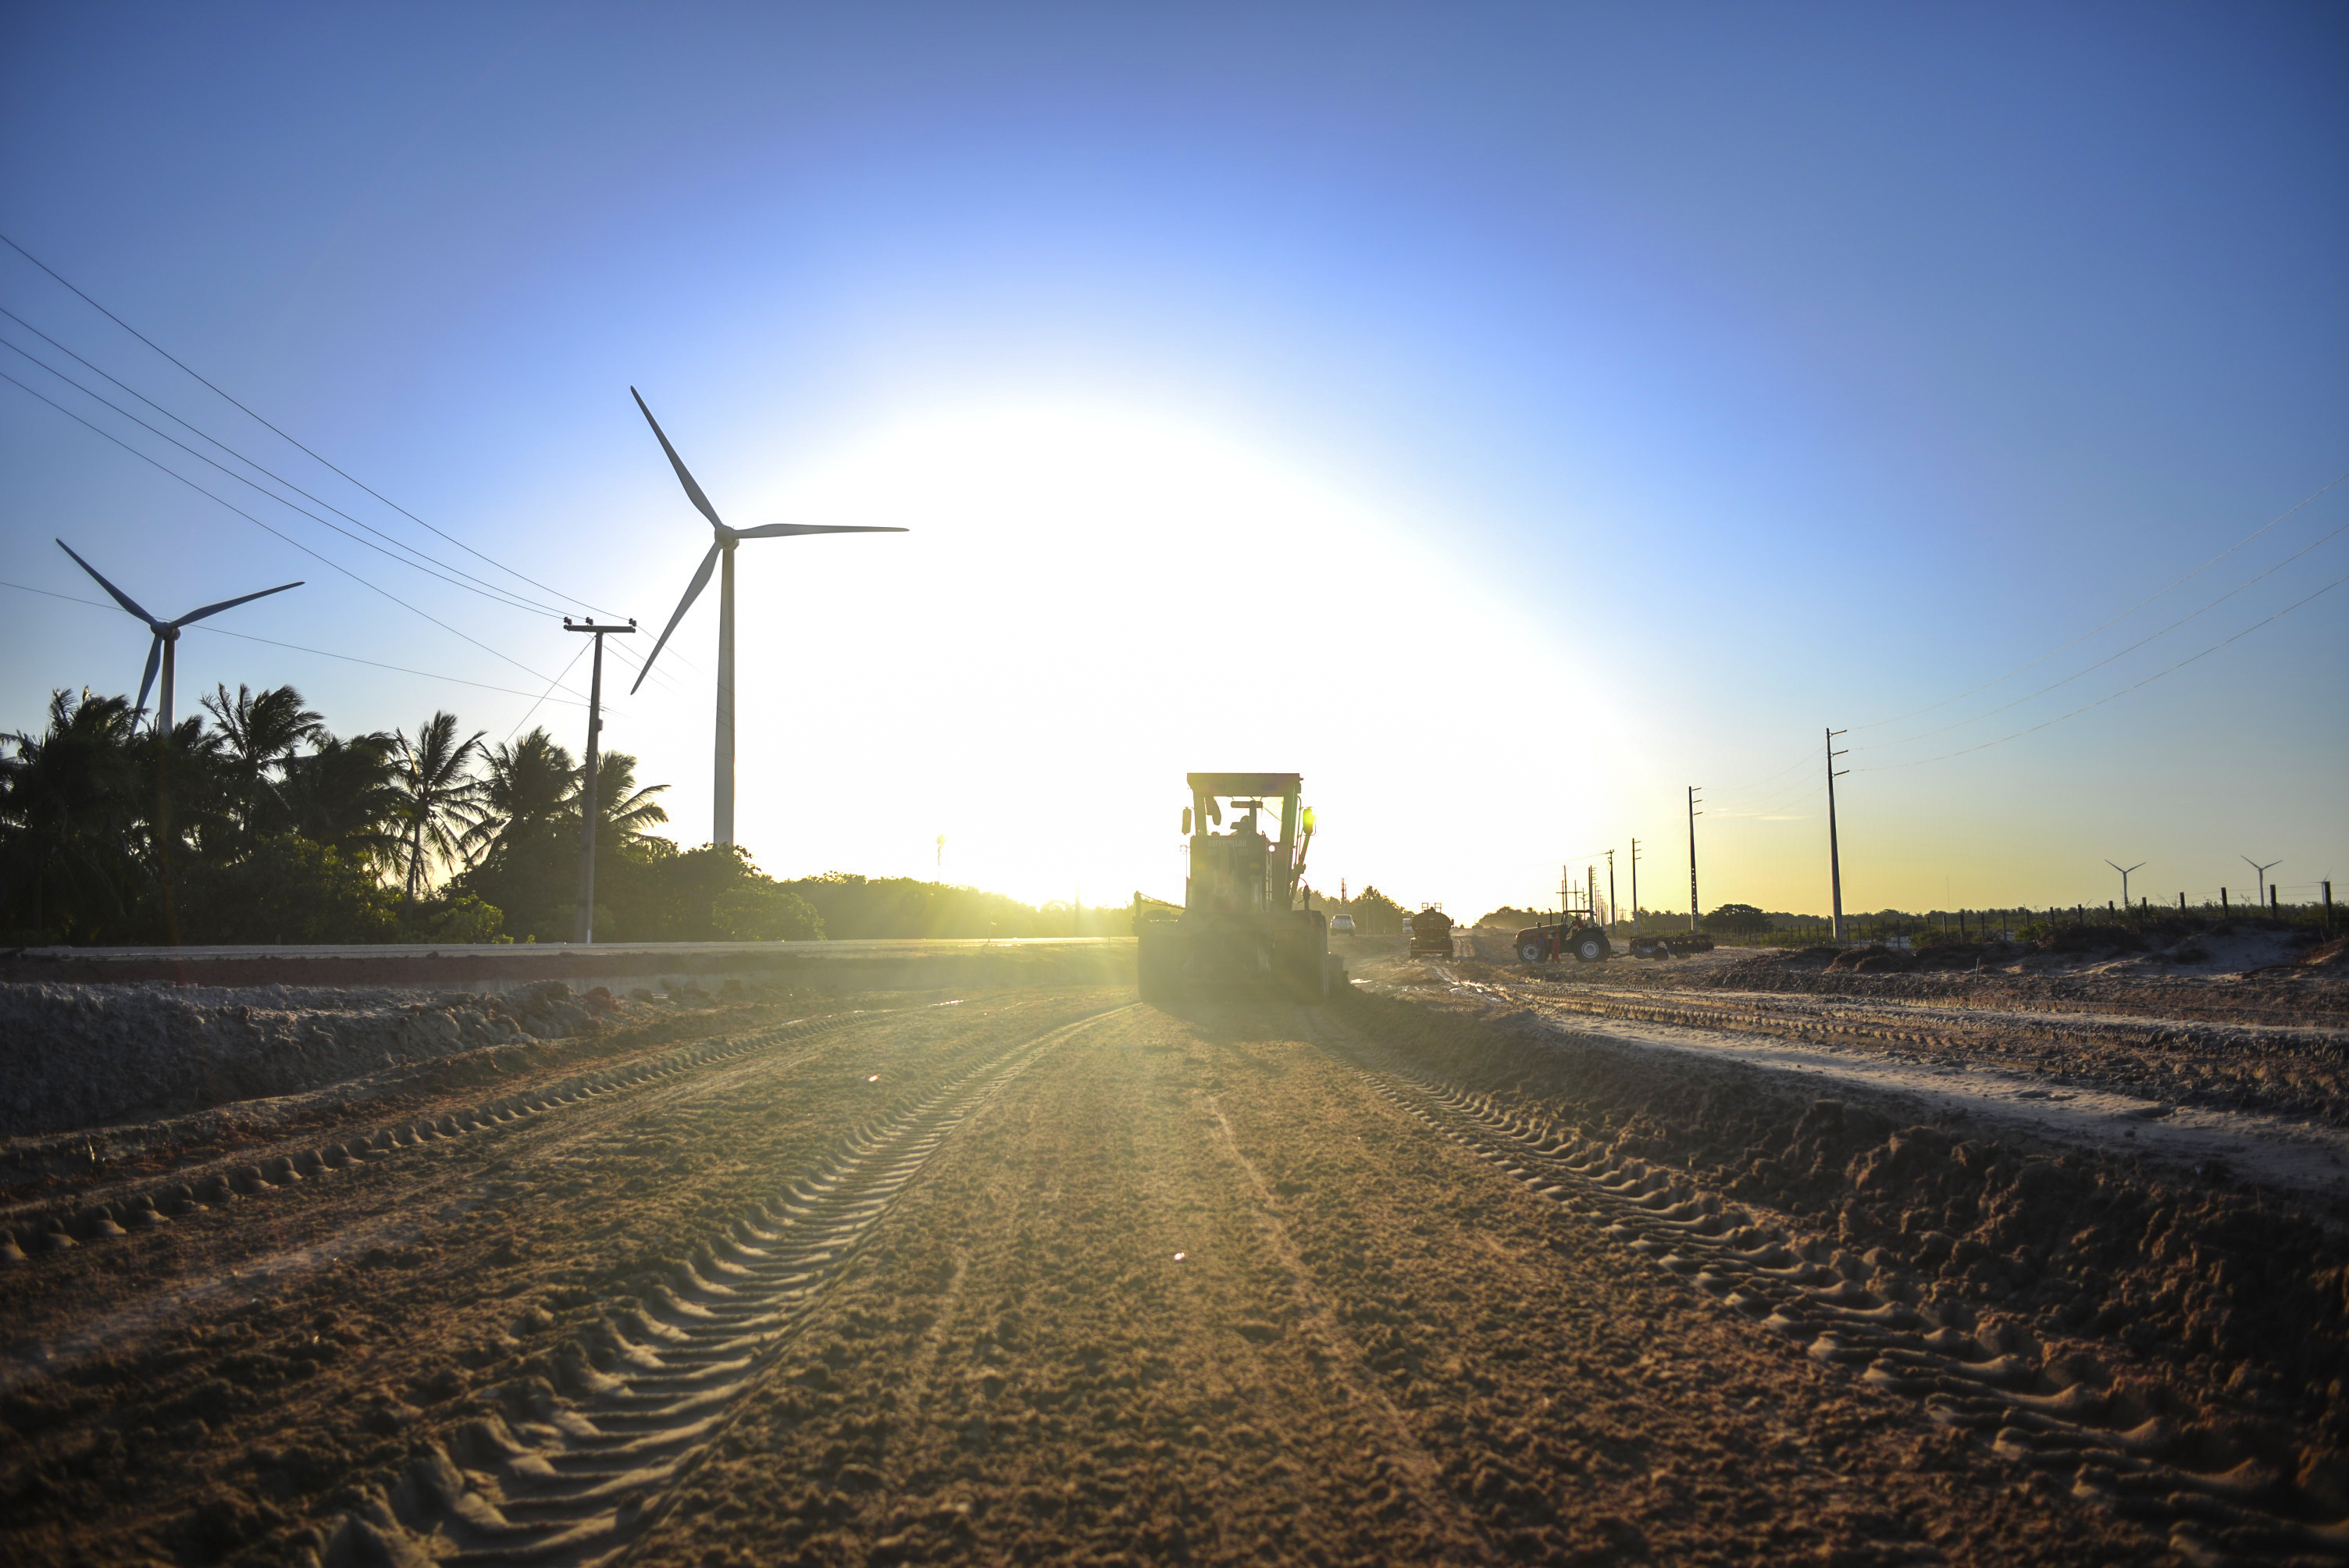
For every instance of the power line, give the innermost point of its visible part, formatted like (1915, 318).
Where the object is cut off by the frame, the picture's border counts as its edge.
(280, 435)
(2288, 512)
(297, 648)
(504, 595)
(1768, 778)
(496, 595)
(2280, 615)
(1761, 811)
(2100, 664)
(265, 528)
(549, 692)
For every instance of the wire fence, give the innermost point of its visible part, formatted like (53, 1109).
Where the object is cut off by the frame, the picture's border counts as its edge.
(2021, 923)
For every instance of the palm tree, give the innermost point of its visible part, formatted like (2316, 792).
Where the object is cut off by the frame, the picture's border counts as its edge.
(70, 820)
(528, 789)
(440, 798)
(345, 795)
(622, 811)
(190, 797)
(261, 729)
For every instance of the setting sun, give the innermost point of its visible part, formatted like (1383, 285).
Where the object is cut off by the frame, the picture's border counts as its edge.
(1091, 604)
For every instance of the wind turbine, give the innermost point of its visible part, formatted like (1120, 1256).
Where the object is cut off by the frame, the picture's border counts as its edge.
(722, 549)
(167, 633)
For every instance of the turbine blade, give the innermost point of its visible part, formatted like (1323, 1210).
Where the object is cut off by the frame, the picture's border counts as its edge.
(692, 490)
(778, 530)
(154, 660)
(125, 600)
(231, 604)
(692, 592)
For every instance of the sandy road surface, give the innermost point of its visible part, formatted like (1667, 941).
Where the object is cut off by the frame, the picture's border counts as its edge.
(1037, 1277)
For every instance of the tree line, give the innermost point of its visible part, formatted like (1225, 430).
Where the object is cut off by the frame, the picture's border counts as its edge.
(253, 822)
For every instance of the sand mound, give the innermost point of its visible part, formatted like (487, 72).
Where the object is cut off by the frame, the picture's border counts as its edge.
(80, 1055)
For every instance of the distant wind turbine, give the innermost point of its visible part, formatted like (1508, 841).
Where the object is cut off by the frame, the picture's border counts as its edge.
(721, 548)
(167, 633)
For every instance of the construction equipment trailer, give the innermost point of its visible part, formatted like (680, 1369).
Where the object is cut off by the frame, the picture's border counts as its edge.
(1241, 929)
(1431, 932)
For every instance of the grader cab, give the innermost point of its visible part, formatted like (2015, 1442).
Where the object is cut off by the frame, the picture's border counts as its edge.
(1242, 931)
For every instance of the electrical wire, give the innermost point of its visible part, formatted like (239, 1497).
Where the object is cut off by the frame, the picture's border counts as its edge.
(2280, 615)
(549, 692)
(503, 594)
(495, 595)
(1771, 777)
(1772, 810)
(297, 648)
(265, 528)
(2124, 616)
(2100, 664)
(280, 435)
(661, 676)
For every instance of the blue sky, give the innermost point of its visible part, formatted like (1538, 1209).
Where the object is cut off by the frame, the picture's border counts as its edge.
(1551, 407)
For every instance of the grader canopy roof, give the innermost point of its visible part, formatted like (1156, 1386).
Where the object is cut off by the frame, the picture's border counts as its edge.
(1244, 783)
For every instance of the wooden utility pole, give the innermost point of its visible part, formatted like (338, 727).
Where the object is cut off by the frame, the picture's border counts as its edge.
(1635, 887)
(584, 927)
(1835, 852)
(1693, 815)
(1610, 887)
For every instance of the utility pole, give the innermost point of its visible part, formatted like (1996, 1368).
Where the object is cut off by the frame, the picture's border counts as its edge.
(589, 802)
(2262, 869)
(1835, 851)
(1635, 887)
(1610, 887)
(1693, 815)
(2125, 877)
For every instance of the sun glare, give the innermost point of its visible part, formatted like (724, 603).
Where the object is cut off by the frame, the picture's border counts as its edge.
(1091, 605)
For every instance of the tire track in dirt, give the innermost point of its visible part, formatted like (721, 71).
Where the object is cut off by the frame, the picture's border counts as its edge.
(2126, 1444)
(1078, 1343)
(32, 1231)
(573, 1477)
(1343, 1357)
(2290, 1070)
(590, 1102)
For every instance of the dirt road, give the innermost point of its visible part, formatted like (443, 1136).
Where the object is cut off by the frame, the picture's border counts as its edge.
(1053, 1277)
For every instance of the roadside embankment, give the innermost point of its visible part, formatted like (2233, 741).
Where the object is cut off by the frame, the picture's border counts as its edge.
(91, 1038)
(2234, 1291)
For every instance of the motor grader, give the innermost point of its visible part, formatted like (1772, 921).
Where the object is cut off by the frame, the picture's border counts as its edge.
(1241, 931)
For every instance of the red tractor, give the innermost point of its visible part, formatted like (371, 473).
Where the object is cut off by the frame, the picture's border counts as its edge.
(1576, 936)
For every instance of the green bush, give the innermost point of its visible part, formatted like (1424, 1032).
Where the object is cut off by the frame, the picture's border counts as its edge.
(284, 889)
(461, 918)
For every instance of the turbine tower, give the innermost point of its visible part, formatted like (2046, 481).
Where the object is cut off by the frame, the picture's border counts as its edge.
(722, 795)
(167, 633)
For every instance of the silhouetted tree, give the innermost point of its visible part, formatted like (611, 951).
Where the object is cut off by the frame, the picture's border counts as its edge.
(71, 824)
(438, 796)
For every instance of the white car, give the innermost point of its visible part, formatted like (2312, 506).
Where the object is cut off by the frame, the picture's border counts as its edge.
(1341, 925)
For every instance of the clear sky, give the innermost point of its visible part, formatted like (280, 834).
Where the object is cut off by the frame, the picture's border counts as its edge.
(1507, 416)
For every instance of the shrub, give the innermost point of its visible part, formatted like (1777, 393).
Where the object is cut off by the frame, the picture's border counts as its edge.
(285, 889)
